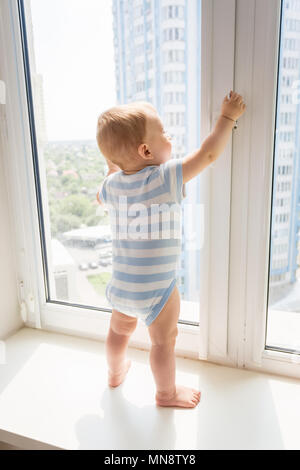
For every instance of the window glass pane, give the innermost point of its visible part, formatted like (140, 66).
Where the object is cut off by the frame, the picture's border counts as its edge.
(86, 56)
(283, 326)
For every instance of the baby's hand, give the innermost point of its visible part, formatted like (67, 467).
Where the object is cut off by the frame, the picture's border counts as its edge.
(234, 106)
(112, 167)
(99, 200)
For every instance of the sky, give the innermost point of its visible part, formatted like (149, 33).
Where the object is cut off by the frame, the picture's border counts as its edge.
(73, 41)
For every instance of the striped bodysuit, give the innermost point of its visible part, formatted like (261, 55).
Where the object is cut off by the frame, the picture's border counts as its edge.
(145, 217)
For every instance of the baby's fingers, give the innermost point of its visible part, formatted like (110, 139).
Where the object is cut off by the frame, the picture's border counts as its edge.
(237, 97)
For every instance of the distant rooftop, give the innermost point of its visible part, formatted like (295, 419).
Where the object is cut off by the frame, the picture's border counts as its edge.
(60, 256)
(89, 233)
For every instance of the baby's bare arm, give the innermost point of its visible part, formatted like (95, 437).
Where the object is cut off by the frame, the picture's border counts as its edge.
(211, 148)
(215, 143)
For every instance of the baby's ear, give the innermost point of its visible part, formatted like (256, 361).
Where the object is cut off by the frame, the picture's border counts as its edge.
(144, 152)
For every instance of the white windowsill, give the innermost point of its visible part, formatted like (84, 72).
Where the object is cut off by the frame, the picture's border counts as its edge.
(53, 393)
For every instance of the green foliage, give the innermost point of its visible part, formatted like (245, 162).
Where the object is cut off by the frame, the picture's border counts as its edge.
(95, 220)
(99, 282)
(75, 171)
(67, 222)
(78, 205)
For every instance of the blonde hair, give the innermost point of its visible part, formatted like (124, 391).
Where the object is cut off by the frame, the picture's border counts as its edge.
(121, 129)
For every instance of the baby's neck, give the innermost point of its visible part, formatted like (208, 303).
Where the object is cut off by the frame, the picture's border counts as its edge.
(131, 172)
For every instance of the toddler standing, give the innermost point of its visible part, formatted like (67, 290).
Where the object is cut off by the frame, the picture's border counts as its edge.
(143, 191)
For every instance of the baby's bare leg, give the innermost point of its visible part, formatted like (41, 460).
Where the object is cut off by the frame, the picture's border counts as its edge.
(121, 328)
(163, 332)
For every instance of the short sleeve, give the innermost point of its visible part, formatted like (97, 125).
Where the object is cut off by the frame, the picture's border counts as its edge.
(102, 191)
(171, 172)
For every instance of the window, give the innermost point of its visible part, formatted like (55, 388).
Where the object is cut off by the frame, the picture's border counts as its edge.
(66, 101)
(173, 11)
(175, 56)
(61, 78)
(77, 241)
(283, 319)
(174, 34)
(264, 195)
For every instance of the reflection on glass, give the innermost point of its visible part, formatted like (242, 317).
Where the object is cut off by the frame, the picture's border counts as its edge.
(86, 56)
(283, 326)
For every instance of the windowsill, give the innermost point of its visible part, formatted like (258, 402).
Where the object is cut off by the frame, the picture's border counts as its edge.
(53, 393)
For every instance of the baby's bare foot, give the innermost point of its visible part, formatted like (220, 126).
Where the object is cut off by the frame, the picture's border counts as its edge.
(183, 397)
(116, 379)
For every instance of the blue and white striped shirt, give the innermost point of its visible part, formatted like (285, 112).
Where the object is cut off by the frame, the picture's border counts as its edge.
(145, 216)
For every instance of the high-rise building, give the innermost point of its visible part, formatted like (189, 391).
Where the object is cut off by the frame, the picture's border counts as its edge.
(286, 191)
(157, 59)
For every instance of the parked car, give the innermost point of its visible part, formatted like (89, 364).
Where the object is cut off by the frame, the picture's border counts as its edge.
(103, 262)
(93, 265)
(103, 240)
(105, 254)
(83, 266)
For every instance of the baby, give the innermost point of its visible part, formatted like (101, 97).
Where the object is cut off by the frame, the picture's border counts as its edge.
(144, 179)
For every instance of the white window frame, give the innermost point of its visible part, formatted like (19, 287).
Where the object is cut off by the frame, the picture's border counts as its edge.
(237, 53)
(256, 74)
(210, 339)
